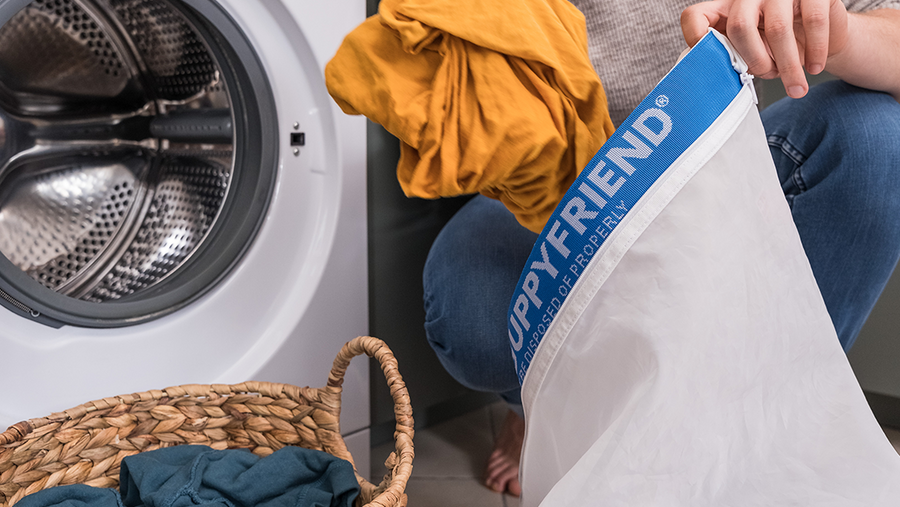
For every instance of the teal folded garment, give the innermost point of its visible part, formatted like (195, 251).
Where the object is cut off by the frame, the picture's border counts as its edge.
(193, 475)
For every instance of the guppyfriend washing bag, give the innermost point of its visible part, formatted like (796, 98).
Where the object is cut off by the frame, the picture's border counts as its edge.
(672, 343)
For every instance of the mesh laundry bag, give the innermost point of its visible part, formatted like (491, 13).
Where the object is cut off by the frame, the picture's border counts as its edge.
(672, 342)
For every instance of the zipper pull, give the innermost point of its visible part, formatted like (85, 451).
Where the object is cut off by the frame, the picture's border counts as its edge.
(747, 79)
(738, 64)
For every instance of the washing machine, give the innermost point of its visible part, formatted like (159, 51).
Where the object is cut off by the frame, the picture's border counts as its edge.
(180, 201)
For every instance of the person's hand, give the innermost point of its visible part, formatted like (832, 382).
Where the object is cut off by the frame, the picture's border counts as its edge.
(777, 38)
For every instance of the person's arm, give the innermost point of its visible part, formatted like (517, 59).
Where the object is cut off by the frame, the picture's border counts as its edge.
(871, 58)
(779, 38)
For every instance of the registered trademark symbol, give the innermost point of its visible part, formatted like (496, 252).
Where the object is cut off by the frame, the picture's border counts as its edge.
(662, 101)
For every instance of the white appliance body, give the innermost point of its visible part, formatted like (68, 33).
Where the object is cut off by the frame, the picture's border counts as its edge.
(295, 297)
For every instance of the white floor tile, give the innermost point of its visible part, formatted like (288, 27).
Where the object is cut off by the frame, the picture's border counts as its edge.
(510, 501)
(457, 449)
(451, 493)
(498, 414)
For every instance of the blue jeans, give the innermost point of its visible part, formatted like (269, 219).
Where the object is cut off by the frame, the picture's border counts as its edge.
(837, 153)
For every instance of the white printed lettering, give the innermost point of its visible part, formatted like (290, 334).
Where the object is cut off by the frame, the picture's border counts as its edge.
(521, 309)
(580, 213)
(654, 137)
(530, 288)
(548, 317)
(638, 150)
(545, 264)
(516, 344)
(592, 195)
(557, 241)
(581, 260)
(602, 182)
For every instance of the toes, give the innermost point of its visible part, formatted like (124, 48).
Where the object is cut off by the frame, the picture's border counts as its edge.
(505, 479)
(497, 470)
(502, 470)
(495, 486)
(513, 487)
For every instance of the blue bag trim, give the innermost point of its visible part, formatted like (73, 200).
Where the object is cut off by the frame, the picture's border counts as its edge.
(665, 124)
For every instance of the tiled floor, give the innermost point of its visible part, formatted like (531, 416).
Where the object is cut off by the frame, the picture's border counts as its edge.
(450, 458)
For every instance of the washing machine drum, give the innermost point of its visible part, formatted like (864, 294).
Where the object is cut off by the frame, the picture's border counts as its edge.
(137, 156)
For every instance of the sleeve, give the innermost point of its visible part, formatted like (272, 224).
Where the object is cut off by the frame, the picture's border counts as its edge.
(870, 5)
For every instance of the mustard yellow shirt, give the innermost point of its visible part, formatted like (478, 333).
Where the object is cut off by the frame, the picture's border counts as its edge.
(492, 97)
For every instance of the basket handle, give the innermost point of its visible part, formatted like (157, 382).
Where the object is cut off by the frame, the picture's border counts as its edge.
(403, 431)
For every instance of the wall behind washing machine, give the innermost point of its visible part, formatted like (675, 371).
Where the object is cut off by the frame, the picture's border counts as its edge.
(401, 231)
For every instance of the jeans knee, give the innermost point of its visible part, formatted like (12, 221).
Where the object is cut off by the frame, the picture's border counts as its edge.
(839, 114)
(840, 135)
(469, 278)
(472, 362)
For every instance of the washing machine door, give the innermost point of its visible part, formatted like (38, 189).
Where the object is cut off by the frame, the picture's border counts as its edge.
(132, 170)
(163, 219)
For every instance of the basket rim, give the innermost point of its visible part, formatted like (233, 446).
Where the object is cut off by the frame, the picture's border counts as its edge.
(390, 492)
(274, 390)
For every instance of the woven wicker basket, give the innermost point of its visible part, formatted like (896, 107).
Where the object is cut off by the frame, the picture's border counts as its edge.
(86, 444)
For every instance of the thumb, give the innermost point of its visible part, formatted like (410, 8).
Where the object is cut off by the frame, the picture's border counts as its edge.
(697, 19)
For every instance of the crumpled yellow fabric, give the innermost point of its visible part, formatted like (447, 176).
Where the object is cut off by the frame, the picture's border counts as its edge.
(496, 97)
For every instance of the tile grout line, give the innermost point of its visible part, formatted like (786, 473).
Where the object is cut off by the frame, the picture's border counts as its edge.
(435, 482)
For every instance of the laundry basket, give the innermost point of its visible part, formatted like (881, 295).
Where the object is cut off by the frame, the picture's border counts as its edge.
(86, 444)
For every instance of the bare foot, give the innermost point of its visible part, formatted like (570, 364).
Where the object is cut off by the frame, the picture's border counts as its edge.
(502, 472)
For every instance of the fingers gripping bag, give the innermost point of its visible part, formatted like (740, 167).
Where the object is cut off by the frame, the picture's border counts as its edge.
(672, 344)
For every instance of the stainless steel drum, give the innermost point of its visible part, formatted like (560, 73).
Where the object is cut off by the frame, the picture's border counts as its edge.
(136, 157)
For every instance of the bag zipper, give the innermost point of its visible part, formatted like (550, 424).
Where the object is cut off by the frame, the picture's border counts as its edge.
(738, 63)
